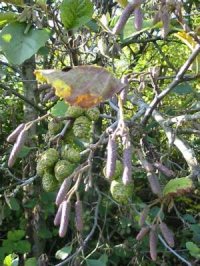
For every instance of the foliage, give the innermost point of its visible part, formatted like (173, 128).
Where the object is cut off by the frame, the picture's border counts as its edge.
(105, 167)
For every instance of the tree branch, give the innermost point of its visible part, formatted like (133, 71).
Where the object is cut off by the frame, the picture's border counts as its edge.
(174, 83)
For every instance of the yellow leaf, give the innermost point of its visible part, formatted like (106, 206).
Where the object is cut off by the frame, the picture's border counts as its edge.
(85, 86)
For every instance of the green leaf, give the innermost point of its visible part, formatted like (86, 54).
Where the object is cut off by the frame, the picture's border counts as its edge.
(44, 233)
(13, 204)
(22, 246)
(193, 249)
(15, 235)
(102, 261)
(178, 186)
(76, 13)
(7, 17)
(183, 88)
(14, 2)
(63, 253)
(11, 260)
(31, 262)
(18, 46)
(59, 109)
(24, 152)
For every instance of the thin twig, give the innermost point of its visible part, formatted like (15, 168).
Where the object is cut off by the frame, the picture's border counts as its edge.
(96, 213)
(174, 83)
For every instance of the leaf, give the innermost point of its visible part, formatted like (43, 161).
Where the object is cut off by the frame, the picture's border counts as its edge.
(31, 262)
(102, 261)
(85, 86)
(7, 17)
(15, 235)
(18, 46)
(11, 260)
(193, 249)
(13, 203)
(24, 151)
(178, 186)
(22, 246)
(76, 13)
(183, 89)
(59, 109)
(63, 253)
(14, 2)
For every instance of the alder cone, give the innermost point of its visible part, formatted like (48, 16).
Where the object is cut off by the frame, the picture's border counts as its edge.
(49, 183)
(153, 240)
(142, 233)
(167, 234)
(93, 113)
(13, 136)
(64, 221)
(74, 111)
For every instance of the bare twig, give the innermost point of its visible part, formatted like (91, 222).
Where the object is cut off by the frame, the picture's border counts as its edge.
(174, 83)
(96, 213)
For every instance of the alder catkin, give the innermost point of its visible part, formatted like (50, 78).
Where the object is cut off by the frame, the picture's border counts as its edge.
(13, 136)
(143, 216)
(165, 170)
(17, 147)
(167, 234)
(142, 233)
(64, 221)
(79, 215)
(66, 184)
(123, 18)
(153, 240)
(111, 157)
(124, 92)
(57, 218)
(127, 163)
(138, 21)
(154, 183)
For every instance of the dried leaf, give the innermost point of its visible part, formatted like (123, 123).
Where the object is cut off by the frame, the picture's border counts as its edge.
(85, 86)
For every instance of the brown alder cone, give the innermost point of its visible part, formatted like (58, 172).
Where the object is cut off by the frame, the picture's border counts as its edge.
(153, 240)
(79, 215)
(143, 216)
(58, 216)
(154, 184)
(167, 234)
(142, 233)
(13, 136)
(17, 147)
(66, 184)
(111, 157)
(66, 208)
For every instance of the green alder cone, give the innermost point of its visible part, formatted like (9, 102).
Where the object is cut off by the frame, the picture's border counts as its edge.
(81, 127)
(49, 183)
(40, 168)
(120, 192)
(69, 137)
(54, 127)
(74, 111)
(93, 113)
(49, 157)
(63, 169)
(71, 154)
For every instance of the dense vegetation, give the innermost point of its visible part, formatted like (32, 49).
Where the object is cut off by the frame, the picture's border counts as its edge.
(103, 167)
